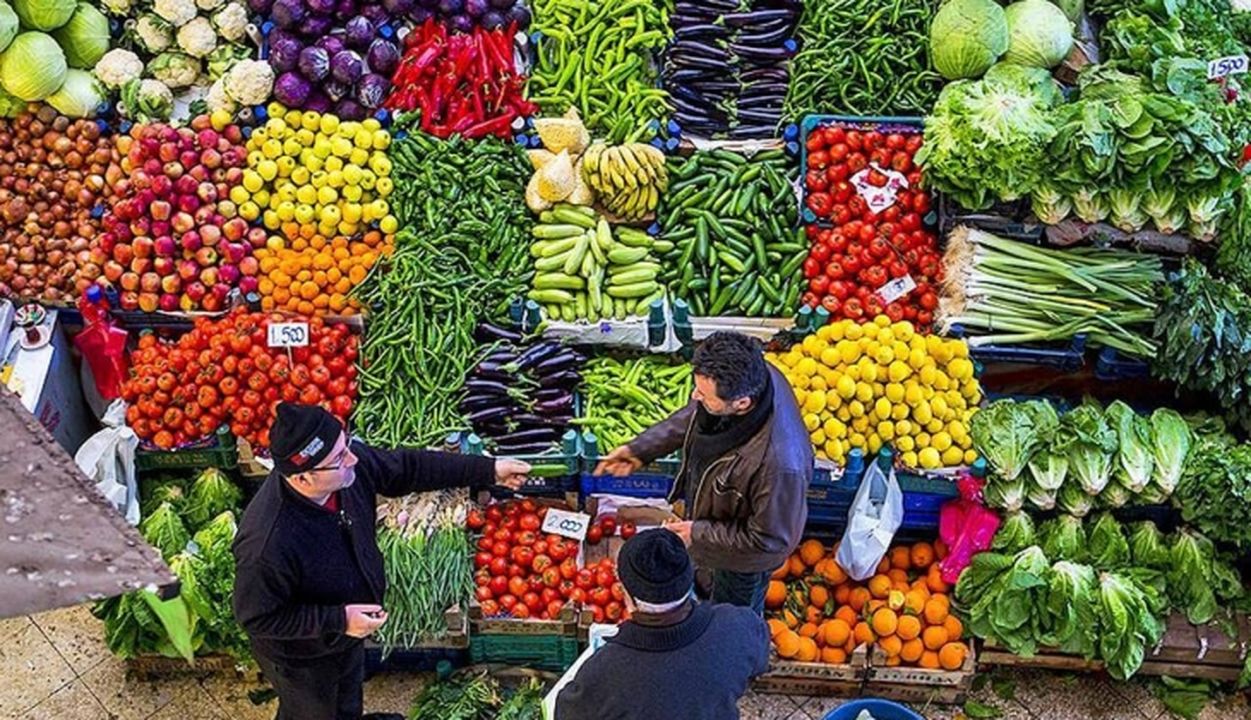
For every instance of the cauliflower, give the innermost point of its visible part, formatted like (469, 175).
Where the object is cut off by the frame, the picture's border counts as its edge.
(223, 58)
(146, 101)
(153, 33)
(175, 69)
(218, 99)
(249, 82)
(178, 12)
(197, 38)
(232, 22)
(209, 5)
(117, 7)
(118, 67)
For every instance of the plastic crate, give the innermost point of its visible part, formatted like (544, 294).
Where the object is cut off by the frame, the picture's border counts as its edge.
(558, 468)
(539, 652)
(654, 479)
(1112, 365)
(1067, 359)
(413, 660)
(220, 451)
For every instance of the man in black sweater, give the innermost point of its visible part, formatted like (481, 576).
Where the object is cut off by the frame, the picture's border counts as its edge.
(674, 658)
(309, 578)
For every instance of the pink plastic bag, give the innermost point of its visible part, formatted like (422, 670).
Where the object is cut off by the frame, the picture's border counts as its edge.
(966, 526)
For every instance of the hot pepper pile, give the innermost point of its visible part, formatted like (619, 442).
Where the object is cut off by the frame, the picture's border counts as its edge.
(223, 372)
(461, 84)
(865, 249)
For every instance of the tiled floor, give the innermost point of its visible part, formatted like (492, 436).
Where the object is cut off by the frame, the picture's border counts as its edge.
(54, 666)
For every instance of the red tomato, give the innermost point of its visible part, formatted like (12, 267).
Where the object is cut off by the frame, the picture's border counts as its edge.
(555, 607)
(558, 551)
(599, 596)
(482, 593)
(517, 586)
(551, 577)
(604, 578)
(490, 608)
(482, 559)
(533, 601)
(500, 549)
(523, 556)
(613, 610)
(618, 592)
(628, 530)
(609, 525)
(585, 579)
(569, 568)
(530, 521)
(499, 585)
(594, 534)
(527, 538)
(521, 611)
(541, 563)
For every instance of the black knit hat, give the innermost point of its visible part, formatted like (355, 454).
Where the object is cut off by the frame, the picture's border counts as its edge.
(655, 568)
(301, 437)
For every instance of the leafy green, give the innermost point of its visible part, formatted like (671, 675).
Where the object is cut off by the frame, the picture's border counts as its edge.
(1007, 433)
(1127, 624)
(477, 696)
(1109, 550)
(1015, 534)
(1009, 605)
(1134, 460)
(1039, 34)
(1199, 581)
(164, 529)
(1064, 538)
(1049, 466)
(207, 573)
(1074, 500)
(1184, 698)
(1008, 495)
(1090, 453)
(1147, 547)
(212, 493)
(1072, 614)
(1170, 445)
(967, 37)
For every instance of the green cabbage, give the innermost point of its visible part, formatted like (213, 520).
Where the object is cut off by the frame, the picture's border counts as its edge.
(1090, 454)
(1009, 603)
(1063, 538)
(1039, 34)
(1015, 534)
(8, 25)
(33, 67)
(44, 14)
(80, 95)
(1109, 550)
(967, 37)
(165, 531)
(1170, 445)
(1071, 608)
(212, 493)
(85, 38)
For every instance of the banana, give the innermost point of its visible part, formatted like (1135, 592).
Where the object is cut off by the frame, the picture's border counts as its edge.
(626, 153)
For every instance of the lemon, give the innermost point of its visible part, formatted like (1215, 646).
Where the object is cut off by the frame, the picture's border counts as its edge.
(917, 359)
(905, 443)
(885, 335)
(881, 321)
(899, 412)
(913, 395)
(909, 459)
(815, 402)
(923, 439)
(818, 383)
(940, 441)
(857, 440)
(903, 330)
(856, 408)
(930, 459)
(834, 428)
(952, 456)
(882, 408)
(875, 444)
(817, 436)
(830, 356)
(852, 331)
(834, 450)
(843, 413)
(868, 371)
(938, 406)
(864, 392)
(886, 430)
(870, 330)
(813, 345)
(849, 351)
(806, 367)
(812, 421)
(895, 392)
(853, 372)
(899, 371)
(941, 381)
(970, 457)
(837, 330)
(921, 413)
(884, 355)
(861, 425)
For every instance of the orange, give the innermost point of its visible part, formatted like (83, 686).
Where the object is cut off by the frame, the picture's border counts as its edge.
(835, 632)
(936, 610)
(940, 549)
(776, 627)
(846, 614)
(929, 660)
(899, 559)
(879, 586)
(787, 643)
(885, 622)
(833, 656)
(897, 575)
(934, 637)
(808, 630)
(814, 615)
(883, 566)
(909, 627)
(808, 651)
(892, 646)
(790, 618)
(874, 605)
(954, 628)
(781, 572)
(951, 656)
(912, 650)
(811, 552)
(798, 568)
(819, 595)
(833, 572)
(841, 593)
(934, 579)
(914, 601)
(863, 634)
(893, 661)
(775, 594)
(858, 598)
(922, 555)
(895, 601)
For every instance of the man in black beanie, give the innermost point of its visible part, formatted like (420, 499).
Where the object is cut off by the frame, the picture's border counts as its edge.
(675, 657)
(309, 579)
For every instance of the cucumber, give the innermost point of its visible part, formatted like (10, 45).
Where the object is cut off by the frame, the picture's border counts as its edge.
(626, 255)
(551, 297)
(635, 290)
(559, 247)
(558, 281)
(635, 276)
(554, 232)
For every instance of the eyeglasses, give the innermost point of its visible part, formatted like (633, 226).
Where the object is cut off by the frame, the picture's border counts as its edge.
(339, 464)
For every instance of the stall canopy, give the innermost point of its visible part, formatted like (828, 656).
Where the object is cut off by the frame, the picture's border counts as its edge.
(61, 543)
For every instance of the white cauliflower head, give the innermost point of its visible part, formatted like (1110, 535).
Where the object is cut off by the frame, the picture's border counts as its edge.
(178, 12)
(209, 5)
(175, 69)
(218, 99)
(197, 38)
(232, 21)
(249, 82)
(118, 67)
(154, 34)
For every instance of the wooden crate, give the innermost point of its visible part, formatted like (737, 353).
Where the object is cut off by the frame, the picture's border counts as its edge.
(565, 626)
(786, 677)
(159, 667)
(920, 685)
(1187, 651)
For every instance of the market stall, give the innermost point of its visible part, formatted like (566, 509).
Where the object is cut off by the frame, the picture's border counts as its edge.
(999, 252)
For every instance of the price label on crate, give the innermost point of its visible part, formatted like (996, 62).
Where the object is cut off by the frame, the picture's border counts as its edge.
(897, 288)
(566, 524)
(879, 186)
(1232, 65)
(291, 334)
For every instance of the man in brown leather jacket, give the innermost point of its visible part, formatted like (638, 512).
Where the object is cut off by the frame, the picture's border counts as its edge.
(746, 464)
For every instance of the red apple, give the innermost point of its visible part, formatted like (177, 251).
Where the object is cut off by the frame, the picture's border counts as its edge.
(206, 256)
(143, 247)
(123, 253)
(148, 302)
(209, 275)
(188, 270)
(150, 282)
(130, 281)
(171, 285)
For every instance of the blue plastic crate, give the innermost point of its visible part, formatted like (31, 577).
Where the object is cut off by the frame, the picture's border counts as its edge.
(566, 454)
(1067, 359)
(638, 485)
(1112, 365)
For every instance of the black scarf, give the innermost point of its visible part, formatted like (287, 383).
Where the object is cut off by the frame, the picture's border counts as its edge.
(716, 435)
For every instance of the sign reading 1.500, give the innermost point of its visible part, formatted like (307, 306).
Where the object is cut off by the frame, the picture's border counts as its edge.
(292, 334)
(1232, 65)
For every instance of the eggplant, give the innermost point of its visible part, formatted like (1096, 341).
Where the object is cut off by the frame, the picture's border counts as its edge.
(488, 414)
(702, 50)
(680, 104)
(536, 353)
(560, 379)
(766, 38)
(477, 402)
(780, 74)
(522, 437)
(500, 357)
(694, 61)
(774, 53)
(767, 26)
(525, 449)
(532, 420)
(557, 363)
(759, 116)
(554, 406)
(739, 20)
(475, 386)
(485, 332)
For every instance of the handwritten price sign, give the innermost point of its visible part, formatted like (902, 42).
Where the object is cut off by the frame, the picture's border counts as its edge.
(292, 334)
(566, 524)
(1232, 65)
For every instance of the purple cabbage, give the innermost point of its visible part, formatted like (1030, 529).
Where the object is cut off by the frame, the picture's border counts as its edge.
(371, 90)
(502, 4)
(430, 4)
(420, 15)
(289, 14)
(291, 90)
(451, 7)
(346, 67)
(346, 9)
(358, 32)
(332, 44)
(318, 102)
(475, 8)
(260, 7)
(492, 20)
(398, 8)
(348, 109)
(376, 14)
(336, 90)
(317, 25)
(314, 63)
(520, 15)
(321, 7)
(383, 57)
(284, 52)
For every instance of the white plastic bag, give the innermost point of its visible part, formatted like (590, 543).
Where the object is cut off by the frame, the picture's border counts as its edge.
(108, 458)
(875, 515)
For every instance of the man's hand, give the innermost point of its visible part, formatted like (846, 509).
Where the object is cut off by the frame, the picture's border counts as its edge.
(363, 620)
(511, 473)
(619, 463)
(681, 528)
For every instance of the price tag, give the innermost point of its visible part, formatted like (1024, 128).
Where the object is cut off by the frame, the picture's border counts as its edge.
(292, 334)
(879, 197)
(897, 288)
(1232, 65)
(566, 524)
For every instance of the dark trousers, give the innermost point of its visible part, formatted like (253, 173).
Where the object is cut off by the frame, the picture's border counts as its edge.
(328, 688)
(741, 589)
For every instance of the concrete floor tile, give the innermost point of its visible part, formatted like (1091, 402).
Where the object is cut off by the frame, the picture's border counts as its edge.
(192, 703)
(72, 702)
(31, 667)
(130, 698)
(1091, 699)
(233, 695)
(1137, 693)
(819, 707)
(775, 707)
(393, 692)
(1228, 707)
(76, 634)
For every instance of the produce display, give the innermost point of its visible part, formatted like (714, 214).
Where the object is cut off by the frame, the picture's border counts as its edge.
(882, 383)
(583, 272)
(477, 696)
(462, 84)
(878, 256)
(628, 179)
(622, 398)
(1215, 483)
(1089, 457)
(47, 50)
(745, 40)
(223, 372)
(52, 175)
(174, 240)
(862, 57)
(1003, 291)
(731, 227)
(314, 275)
(600, 58)
(816, 613)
